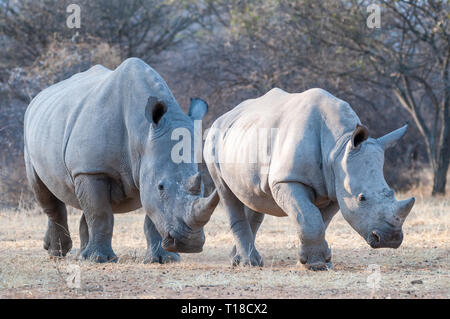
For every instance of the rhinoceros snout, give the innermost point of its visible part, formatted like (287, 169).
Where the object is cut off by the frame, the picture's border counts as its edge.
(378, 239)
(176, 243)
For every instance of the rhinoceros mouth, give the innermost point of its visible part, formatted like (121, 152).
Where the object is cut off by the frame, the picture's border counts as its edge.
(174, 243)
(391, 240)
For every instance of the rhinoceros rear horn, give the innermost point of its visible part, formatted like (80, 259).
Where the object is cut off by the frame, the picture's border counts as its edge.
(194, 184)
(155, 110)
(391, 138)
(198, 109)
(202, 210)
(360, 134)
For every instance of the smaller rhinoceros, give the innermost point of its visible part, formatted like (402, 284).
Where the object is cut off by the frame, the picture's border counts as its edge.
(101, 141)
(320, 159)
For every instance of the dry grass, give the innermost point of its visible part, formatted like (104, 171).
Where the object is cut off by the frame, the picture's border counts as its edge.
(27, 272)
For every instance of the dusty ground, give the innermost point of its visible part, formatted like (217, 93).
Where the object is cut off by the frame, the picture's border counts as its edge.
(418, 269)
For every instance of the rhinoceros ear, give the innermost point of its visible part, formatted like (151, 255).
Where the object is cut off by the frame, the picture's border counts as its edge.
(197, 109)
(155, 110)
(390, 139)
(360, 134)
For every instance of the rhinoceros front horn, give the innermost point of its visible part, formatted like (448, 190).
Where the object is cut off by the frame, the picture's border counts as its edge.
(405, 207)
(202, 210)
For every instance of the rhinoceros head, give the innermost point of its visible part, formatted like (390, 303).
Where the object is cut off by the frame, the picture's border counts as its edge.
(171, 192)
(365, 199)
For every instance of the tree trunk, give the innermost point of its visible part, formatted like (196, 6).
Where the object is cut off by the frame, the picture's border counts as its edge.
(440, 179)
(440, 172)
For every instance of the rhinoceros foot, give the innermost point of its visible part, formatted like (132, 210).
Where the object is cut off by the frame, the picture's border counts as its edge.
(315, 256)
(255, 259)
(319, 266)
(161, 256)
(57, 239)
(98, 254)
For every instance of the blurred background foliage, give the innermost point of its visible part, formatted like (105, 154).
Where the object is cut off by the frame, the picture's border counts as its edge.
(226, 51)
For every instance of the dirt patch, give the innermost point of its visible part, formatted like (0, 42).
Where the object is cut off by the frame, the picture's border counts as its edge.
(418, 269)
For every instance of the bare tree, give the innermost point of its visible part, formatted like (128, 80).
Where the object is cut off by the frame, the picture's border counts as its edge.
(141, 28)
(329, 43)
(27, 27)
(409, 56)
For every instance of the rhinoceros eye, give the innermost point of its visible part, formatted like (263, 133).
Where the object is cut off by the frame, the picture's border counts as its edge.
(361, 197)
(161, 187)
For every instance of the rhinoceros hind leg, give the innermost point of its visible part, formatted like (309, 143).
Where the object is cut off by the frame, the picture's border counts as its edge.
(57, 239)
(246, 254)
(155, 253)
(93, 193)
(255, 220)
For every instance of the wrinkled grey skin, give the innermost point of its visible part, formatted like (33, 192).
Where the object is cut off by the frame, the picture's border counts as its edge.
(322, 160)
(101, 142)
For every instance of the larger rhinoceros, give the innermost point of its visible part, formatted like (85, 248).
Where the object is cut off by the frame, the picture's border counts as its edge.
(319, 159)
(101, 141)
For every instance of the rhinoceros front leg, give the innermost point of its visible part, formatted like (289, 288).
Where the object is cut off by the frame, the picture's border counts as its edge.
(93, 193)
(155, 253)
(297, 201)
(328, 213)
(255, 219)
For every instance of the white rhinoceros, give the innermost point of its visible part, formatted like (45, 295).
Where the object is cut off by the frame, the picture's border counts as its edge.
(101, 142)
(320, 160)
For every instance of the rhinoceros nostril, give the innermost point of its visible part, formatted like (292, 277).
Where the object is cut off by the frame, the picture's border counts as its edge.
(376, 237)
